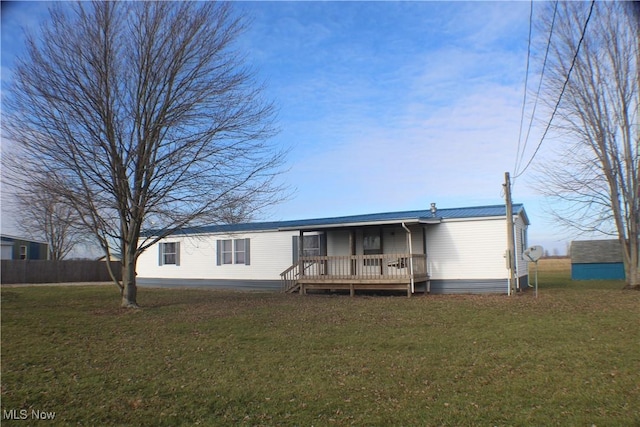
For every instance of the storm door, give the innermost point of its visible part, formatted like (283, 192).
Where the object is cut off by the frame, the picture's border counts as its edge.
(372, 245)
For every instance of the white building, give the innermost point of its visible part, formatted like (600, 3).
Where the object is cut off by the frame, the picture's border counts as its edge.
(459, 250)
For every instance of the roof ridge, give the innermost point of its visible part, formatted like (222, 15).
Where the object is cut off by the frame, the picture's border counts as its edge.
(379, 217)
(404, 212)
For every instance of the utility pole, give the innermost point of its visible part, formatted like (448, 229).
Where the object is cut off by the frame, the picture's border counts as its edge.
(510, 245)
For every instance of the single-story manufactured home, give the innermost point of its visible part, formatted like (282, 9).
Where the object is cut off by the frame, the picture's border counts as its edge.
(459, 250)
(596, 259)
(18, 248)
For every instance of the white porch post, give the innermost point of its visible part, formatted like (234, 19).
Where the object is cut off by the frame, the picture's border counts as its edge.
(410, 256)
(300, 253)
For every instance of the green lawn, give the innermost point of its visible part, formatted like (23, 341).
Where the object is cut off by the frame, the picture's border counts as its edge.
(569, 357)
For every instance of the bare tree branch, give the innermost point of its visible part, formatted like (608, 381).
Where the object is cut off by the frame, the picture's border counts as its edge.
(595, 187)
(49, 219)
(142, 112)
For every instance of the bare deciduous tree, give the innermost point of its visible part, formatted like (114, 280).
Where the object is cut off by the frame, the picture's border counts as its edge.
(45, 217)
(595, 185)
(143, 114)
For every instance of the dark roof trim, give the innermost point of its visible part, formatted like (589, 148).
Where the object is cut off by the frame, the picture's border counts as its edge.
(388, 218)
(13, 239)
(407, 221)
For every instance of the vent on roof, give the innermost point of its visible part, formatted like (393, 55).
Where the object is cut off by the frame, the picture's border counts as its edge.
(433, 209)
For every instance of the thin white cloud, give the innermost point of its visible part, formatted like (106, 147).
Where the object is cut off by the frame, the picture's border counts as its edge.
(390, 105)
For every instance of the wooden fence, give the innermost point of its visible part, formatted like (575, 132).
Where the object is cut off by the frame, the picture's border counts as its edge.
(45, 271)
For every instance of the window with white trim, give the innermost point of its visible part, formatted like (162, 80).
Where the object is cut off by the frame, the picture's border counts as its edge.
(23, 252)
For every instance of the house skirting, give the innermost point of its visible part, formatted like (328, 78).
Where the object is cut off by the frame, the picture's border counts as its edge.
(467, 286)
(226, 284)
(472, 286)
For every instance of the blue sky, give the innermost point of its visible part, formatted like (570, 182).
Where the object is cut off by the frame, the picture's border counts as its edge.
(386, 106)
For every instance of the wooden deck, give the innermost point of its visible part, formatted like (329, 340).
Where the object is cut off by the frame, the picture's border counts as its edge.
(384, 272)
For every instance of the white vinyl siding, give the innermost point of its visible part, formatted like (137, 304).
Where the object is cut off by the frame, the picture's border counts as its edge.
(395, 240)
(521, 245)
(471, 249)
(338, 243)
(269, 254)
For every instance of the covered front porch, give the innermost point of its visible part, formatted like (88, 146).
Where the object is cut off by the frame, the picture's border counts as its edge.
(375, 256)
(385, 272)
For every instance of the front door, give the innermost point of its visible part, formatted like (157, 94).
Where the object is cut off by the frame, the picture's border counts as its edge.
(372, 245)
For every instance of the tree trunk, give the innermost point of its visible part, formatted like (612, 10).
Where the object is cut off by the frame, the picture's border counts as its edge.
(632, 276)
(129, 288)
(631, 257)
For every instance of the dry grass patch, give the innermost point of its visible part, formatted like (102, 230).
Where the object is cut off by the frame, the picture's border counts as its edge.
(196, 357)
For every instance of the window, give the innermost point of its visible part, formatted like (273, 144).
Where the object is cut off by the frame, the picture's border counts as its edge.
(169, 253)
(372, 245)
(232, 251)
(238, 251)
(227, 252)
(23, 252)
(311, 245)
(371, 242)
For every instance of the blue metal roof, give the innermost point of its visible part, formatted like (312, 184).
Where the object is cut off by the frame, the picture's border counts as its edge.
(8, 238)
(424, 216)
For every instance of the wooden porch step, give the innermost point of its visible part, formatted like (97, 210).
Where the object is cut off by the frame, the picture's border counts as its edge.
(293, 289)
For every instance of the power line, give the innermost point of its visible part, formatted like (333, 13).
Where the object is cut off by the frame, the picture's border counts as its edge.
(564, 86)
(520, 156)
(526, 83)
